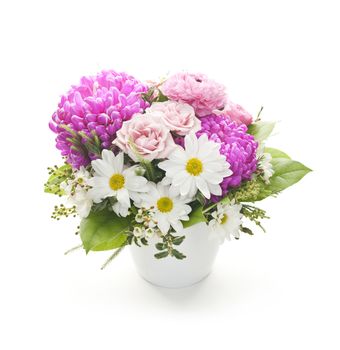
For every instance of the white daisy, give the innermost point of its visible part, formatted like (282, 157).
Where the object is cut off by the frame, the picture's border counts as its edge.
(199, 166)
(264, 163)
(226, 221)
(77, 192)
(112, 180)
(168, 210)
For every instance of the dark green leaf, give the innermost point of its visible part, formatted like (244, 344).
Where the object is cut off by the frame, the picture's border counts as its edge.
(144, 241)
(162, 255)
(246, 230)
(160, 246)
(161, 97)
(178, 255)
(103, 230)
(178, 240)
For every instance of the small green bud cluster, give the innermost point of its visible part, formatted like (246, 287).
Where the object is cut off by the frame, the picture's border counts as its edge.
(254, 214)
(247, 192)
(62, 211)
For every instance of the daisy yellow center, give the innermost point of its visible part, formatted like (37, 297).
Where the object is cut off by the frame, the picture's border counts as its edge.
(116, 182)
(165, 204)
(194, 166)
(224, 219)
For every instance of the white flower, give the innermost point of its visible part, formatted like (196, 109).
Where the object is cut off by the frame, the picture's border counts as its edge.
(112, 180)
(264, 163)
(138, 232)
(226, 221)
(77, 192)
(199, 166)
(168, 210)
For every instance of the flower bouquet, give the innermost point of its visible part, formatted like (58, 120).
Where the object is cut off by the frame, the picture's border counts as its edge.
(171, 169)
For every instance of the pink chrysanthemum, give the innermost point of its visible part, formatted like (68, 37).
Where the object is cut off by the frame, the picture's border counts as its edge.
(237, 145)
(202, 93)
(98, 104)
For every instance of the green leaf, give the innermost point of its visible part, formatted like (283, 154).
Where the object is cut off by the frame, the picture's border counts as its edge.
(178, 255)
(161, 97)
(276, 153)
(287, 172)
(178, 240)
(161, 255)
(247, 230)
(58, 176)
(196, 216)
(261, 130)
(103, 230)
(160, 246)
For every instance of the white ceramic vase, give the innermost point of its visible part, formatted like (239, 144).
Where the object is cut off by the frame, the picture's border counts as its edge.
(200, 249)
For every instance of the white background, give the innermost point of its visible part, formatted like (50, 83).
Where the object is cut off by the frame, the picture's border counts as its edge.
(278, 290)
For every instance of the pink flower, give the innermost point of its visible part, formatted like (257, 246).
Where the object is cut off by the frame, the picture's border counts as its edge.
(236, 113)
(178, 117)
(203, 94)
(145, 136)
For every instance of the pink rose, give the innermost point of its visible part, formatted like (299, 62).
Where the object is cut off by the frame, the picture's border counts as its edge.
(146, 136)
(178, 117)
(236, 113)
(200, 92)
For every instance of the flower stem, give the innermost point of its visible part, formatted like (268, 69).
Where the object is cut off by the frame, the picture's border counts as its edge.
(114, 255)
(73, 249)
(150, 173)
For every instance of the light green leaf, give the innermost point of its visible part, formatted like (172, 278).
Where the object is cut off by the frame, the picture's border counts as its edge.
(196, 216)
(261, 130)
(59, 175)
(276, 153)
(103, 230)
(287, 172)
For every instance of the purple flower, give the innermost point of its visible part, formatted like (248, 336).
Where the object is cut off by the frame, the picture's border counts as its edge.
(238, 147)
(99, 104)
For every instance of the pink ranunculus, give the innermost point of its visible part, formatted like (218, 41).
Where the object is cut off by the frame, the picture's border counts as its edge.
(236, 113)
(145, 136)
(178, 117)
(200, 92)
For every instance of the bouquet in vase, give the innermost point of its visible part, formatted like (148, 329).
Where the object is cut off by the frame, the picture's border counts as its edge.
(142, 162)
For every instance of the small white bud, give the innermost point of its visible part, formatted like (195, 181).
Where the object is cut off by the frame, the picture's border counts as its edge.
(139, 218)
(137, 232)
(149, 232)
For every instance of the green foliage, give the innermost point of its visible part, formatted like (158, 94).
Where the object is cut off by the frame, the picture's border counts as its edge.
(57, 176)
(154, 94)
(83, 143)
(161, 255)
(112, 257)
(246, 230)
(276, 153)
(178, 255)
(62, 211)
(248, 191)
(255, 215)
(178, 240)
(261, 130)
(166, 247)
(287, 172)
(196, 216)
(103, 230)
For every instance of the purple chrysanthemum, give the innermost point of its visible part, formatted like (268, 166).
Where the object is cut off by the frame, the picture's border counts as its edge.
(238, 147)
(98, 104)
